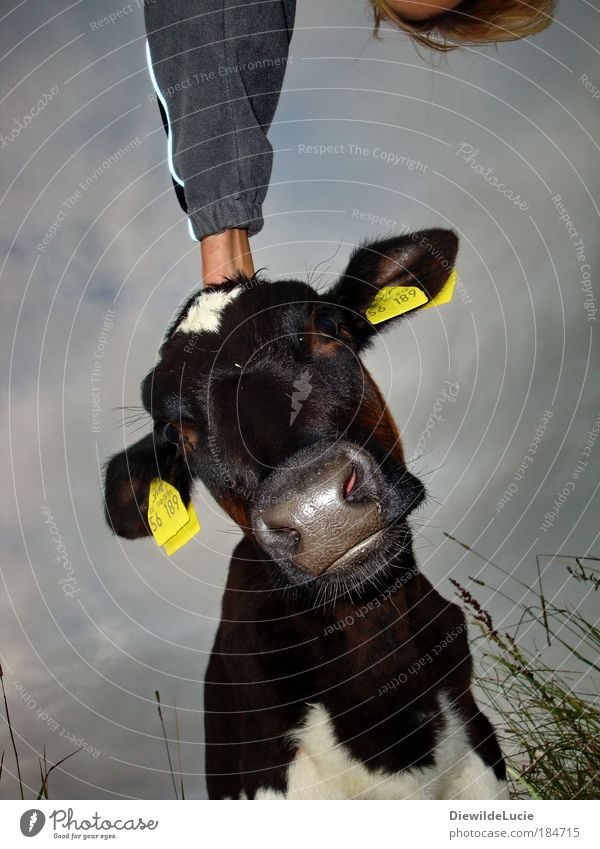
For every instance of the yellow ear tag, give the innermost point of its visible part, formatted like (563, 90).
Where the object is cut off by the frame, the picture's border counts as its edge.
(184, 534)
(445, 293)
(391, 301)
(166, 511)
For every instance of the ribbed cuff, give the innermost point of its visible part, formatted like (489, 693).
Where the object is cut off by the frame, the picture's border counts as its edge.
(226, 214)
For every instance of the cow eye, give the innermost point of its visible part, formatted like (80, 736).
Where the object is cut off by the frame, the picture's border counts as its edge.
(326, 324)
(171, 434)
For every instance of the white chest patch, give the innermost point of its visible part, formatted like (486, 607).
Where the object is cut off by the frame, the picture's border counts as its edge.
(324, 769)
(204, 315)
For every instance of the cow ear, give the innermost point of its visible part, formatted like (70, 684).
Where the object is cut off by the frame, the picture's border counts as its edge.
(423, 260)
(127, 479)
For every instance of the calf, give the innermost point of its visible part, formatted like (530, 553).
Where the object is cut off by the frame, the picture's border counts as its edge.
(337, 671)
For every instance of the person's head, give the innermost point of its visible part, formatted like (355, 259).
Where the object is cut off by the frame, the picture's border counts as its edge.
(447, 24)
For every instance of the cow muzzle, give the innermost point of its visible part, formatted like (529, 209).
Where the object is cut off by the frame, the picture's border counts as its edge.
(322, 510)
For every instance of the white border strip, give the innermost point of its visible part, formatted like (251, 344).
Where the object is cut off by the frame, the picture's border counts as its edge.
(159, 94)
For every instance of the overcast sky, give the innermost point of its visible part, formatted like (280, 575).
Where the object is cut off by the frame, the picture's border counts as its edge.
(82, 660)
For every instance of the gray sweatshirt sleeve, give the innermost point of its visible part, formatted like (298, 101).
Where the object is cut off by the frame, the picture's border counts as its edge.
(217, 67)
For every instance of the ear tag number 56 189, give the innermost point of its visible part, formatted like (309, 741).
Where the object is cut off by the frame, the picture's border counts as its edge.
(391, 301)
(171, 522)
(394, 300)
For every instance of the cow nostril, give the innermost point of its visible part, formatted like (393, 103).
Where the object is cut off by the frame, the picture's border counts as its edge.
(350, 483)
(290, 534)
(286, 538)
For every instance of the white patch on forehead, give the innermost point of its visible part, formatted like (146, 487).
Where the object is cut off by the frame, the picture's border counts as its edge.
(205, 313)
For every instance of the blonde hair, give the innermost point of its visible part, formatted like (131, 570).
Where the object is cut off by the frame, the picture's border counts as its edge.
(472, 22)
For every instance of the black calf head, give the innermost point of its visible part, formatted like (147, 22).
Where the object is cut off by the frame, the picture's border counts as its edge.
(261, 393)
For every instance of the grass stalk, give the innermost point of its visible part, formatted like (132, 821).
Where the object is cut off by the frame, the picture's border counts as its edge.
(12, 736)
(162, 722)
(43, 793)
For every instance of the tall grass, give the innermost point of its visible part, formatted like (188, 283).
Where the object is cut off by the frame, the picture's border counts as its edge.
(548, 721)
(45, 769)
(12, 736)
(178, 743)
